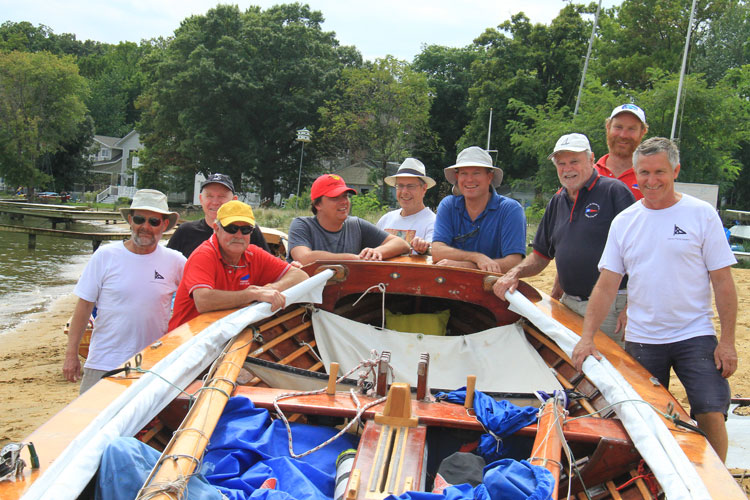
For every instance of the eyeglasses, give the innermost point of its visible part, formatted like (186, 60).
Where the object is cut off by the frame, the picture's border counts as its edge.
(463, 237)
(407, 187)
(153, 221)
(232, 229)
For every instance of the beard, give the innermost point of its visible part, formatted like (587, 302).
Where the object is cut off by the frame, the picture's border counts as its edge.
(623, 148)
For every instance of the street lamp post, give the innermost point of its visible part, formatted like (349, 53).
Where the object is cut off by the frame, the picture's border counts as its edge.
(303, 136)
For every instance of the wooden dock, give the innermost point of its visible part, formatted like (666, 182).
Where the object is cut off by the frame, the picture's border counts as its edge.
(95, 238)
(56, 215)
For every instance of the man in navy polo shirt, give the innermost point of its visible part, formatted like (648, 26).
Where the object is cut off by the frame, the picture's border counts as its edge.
(574, 231)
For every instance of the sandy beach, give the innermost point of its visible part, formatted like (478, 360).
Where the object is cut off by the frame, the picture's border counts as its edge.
(32, 387)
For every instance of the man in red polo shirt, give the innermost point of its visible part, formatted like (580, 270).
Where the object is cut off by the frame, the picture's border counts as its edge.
(626, 127)
(226, 271)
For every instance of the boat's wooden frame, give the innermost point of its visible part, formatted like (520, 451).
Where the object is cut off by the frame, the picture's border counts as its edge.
(613, 450)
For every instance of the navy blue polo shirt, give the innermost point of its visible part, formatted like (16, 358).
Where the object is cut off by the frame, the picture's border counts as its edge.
(574, 231)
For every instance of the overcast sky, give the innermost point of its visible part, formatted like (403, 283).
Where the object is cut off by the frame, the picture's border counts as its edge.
(375, 27)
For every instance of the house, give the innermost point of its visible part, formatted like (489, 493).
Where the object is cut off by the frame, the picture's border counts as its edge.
(115, 160)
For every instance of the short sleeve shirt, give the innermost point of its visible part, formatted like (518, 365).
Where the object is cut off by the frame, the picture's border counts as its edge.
(574, 231)
(500, 229)
(668, 255)
(355, 235)
(420, 224)
(206, 269)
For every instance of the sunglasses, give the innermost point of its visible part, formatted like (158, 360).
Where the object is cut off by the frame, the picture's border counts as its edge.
(232, 229)
(154, 221)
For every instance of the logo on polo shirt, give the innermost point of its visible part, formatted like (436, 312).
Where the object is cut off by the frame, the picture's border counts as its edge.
(245, 280)
(591, 210)
(157, 276)
(677, 230)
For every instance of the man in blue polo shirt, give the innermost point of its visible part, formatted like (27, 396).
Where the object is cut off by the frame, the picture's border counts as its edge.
(477, 228)
(574, 231)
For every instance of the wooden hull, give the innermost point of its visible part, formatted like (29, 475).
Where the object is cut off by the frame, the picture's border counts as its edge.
(287, 339)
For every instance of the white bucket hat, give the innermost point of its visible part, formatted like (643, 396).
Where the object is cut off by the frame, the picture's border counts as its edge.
(411, 167)
(152, 200)
(474, 156)
(574, 143)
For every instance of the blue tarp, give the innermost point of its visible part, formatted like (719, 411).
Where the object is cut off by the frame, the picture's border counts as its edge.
(500, 418)
(246, 449)
(505, 479)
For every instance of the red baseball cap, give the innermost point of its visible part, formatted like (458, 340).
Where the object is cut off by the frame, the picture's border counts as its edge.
(330, 185)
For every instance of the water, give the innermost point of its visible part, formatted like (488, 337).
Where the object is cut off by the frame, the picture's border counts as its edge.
(31, 280)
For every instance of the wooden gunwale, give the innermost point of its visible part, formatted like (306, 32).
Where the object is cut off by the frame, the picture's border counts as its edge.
(412, 279)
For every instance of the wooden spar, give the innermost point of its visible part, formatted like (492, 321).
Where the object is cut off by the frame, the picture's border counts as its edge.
(181, 455)
(546, 451)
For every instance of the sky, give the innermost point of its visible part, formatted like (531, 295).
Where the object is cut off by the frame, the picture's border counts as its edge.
(376, 27)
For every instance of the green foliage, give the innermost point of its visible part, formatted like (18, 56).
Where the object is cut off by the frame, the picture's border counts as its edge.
(449, 76)
(41, 109)
(643, 34)
(523, 62)
(367, 205)
(381, 113)
(230, 90)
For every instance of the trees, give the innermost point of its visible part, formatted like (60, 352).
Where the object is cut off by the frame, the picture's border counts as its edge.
(230, 90)
(524, 62)
(41, 108)
(449, 76)
(382, 113)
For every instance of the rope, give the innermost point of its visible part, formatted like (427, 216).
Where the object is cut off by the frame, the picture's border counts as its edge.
(381, 287)
(371, 363)
(647, 476)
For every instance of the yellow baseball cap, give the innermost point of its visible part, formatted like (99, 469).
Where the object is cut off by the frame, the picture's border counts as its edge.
(235, 211)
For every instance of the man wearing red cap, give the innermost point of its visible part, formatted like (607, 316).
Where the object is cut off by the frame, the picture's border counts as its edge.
(226, 271)
(331, 233)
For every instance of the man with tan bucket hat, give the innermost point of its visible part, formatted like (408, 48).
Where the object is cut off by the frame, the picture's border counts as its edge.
(131, 284)
(413, 222)
(227, 271)
(476, 227)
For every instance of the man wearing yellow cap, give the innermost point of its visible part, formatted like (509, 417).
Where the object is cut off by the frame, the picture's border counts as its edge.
(226, 271)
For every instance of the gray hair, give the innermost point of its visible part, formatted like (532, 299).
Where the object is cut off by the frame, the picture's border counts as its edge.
(656, 145)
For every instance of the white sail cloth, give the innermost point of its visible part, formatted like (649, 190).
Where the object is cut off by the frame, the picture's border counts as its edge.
(674, 471)
(501, 357)
(76, 465)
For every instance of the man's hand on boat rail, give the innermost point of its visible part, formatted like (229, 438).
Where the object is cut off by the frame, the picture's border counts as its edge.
(505, 283)
(583, 348)
(370, 254)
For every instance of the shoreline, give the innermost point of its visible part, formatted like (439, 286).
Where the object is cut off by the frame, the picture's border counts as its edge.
(32, 386)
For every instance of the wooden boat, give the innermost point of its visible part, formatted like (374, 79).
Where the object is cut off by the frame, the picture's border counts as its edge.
(608, 463)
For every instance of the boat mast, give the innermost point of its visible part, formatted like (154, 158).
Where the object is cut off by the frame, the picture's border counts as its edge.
(682, 70)
(588, 55)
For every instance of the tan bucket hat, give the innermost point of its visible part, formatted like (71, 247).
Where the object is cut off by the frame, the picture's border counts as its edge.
(153, 200)
(474, 156)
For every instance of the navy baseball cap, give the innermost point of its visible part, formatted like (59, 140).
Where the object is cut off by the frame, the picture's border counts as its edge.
(222, 179)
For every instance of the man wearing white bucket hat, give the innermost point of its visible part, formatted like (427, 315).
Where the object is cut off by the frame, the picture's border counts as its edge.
(413, 222)
(131, 283)
(478, 228)
(574, 231)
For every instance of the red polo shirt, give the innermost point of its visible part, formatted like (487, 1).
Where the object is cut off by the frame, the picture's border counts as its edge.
(206, 269)
(628, 176)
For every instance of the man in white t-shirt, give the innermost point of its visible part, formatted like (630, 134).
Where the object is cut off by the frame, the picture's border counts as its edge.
(413, 222)
(673, 248)
(131, 284)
